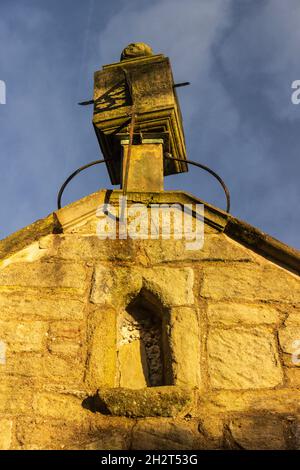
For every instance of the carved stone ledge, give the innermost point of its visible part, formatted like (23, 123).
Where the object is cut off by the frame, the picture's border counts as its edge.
(166, 401)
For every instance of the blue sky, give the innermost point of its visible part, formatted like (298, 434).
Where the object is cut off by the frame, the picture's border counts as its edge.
(240, 56)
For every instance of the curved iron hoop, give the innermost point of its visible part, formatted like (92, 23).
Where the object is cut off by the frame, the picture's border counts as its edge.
(203, 167)
(96, 162)
(84, 167)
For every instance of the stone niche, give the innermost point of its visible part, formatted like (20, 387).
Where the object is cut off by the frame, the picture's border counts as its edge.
(141, 361)
(143, 349)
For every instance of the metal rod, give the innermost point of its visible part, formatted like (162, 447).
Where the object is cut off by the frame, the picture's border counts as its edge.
(132, 123)
(86, 103)
(191, 162)
(125, 181)
(213, 173)
(177, 85)
(84, 167)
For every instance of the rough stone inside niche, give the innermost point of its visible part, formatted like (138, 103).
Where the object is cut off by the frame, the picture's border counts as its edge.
(140, 346)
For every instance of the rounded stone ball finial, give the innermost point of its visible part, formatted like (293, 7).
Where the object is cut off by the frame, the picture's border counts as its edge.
(136, 49)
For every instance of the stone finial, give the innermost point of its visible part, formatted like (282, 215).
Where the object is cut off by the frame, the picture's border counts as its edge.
(136, 49)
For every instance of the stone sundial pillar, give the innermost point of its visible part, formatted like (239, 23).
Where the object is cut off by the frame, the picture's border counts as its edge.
(137, 119)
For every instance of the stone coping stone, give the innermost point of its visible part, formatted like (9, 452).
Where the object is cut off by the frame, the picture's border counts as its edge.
(70, 215)
(165, 401)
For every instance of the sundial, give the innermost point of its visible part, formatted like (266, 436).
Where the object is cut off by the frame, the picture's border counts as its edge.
(141, 83)
(138, 123)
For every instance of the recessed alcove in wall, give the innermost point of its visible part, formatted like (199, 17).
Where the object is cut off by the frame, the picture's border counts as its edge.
(143, 344)
(143, 350)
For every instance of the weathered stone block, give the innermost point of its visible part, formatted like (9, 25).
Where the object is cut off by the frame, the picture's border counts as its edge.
(212, 427)
(65, 338)
(102, 353)
(295, 432)
(291, 360)
(36, 304)
(65, 348)
(119, 286)
(6, 426)
(185, 347)
(66, 329)
(239, 359)
(269, 401)
(293, 377)
(109, 441)
(130, 360)
(109, 435)
(91, 225)
(11, 400)
(44, 432)
(28, 254)
(261, 432)
(240, 281)
(21, 239)
(225, 313)
(167, 401)
(24, 336)
(115, 286)
(39, 274)
(48, 367)
(216, 247)
(145, 171)
(79, 247)
(66, 407)
(159, 280)
(293, 318)
(152, 89)
(156, 433)
(289, 339)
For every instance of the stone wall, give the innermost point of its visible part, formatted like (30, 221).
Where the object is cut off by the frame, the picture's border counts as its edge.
(227, 317)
